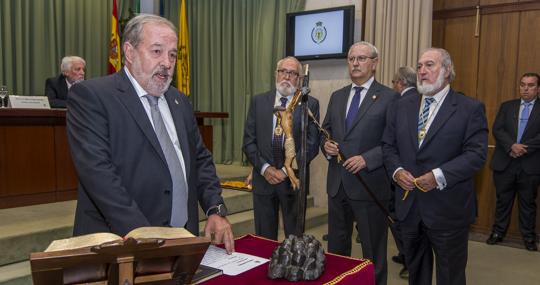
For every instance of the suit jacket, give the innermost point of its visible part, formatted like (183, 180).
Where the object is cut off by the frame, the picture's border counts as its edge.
(258, 133)
(56, 90)
(364, 138)
(505, 130)
(124, 182)
(412, 91)
(456, 142)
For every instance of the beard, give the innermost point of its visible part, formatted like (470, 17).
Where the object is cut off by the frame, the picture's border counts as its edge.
(430, 89)
(285, 88)
(151, 82)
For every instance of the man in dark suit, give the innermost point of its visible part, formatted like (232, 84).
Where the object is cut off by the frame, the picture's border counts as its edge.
(355, 120)
(404, 83)
(263, 147)
(135, 143)
(516, 161)
(56, 88)
(433, 145)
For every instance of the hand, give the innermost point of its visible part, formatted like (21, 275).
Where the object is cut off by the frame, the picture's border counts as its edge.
(273, 175)
(405, 179)
(354, 164)
(249, 179)
(518, 150)
(426, 182)
(331, 148)
(219, 230)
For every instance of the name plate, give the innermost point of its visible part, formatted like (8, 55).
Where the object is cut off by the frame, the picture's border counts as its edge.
(28, 102)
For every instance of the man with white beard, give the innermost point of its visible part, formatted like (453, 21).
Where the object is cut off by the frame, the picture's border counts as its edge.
(135, 144)
(263, 146)
(433, 145)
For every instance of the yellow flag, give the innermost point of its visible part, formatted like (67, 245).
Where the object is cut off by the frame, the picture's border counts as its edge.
(115, 62)
(182, 63)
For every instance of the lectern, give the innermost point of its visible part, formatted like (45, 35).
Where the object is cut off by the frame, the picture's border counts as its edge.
(132, 261)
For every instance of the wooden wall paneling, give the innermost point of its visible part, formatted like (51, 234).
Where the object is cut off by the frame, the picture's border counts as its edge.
(29, 163)
(463, 46)
(529, 43)
(437, 33)
(438, 5)
(3, 186)
(453, 4)
(496, 81)
(494, 2)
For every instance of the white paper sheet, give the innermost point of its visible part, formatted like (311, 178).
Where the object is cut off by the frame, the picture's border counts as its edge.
(231, 264)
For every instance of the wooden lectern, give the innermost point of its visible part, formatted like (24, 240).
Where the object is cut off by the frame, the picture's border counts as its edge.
(133, 261)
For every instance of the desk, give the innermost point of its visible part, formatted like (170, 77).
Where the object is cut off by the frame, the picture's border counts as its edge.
(339, 269)
(35, 162)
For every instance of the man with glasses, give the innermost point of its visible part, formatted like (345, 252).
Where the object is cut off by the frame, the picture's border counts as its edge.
(355, 119)
(263, 146)
(516, 161)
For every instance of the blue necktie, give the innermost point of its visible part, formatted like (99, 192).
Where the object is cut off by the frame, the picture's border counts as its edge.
(277, 142)
(423, 119)
(523, 119)
(179, 194)
(353, 108)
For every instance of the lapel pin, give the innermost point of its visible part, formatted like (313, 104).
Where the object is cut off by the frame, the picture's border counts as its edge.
(374, 97)
(176, 101)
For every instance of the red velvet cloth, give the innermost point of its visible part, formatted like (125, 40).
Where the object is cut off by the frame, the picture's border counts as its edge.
(339, 269)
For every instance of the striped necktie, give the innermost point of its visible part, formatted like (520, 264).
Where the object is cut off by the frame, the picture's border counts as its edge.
(277, 141)
(424, 118)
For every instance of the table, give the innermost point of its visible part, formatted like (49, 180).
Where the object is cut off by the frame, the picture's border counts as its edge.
(339, 269)
(35, 161)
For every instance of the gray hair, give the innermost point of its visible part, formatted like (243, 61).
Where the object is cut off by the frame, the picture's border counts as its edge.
(374, 50)
(407, 76)
(67, 62)
(133, 29)
(446, 61)
(298, 64)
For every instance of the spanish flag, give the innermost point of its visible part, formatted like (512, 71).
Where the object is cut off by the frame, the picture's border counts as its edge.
(115, 61)
(182, 64)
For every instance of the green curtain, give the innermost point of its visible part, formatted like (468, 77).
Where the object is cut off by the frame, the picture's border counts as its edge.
(235, 45)
(36, 34)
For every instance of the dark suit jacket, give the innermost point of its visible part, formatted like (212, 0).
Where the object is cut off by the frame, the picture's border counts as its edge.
(456, 143)
(412, 91)
(124, 182)
(505, 130)
(56, 90)
(258, 133)
(363, 138)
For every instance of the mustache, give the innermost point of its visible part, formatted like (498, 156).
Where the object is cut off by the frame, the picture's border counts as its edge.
(163, 71)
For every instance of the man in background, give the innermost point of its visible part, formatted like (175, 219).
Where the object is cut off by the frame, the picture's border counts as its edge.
(516, 161)
(404, 83)
(263, 146)
(135, 144)
(433, 145)
(355, 120)
(56, 88)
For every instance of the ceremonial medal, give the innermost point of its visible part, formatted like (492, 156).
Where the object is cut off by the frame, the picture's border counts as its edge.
(422, 134)
(278, 130)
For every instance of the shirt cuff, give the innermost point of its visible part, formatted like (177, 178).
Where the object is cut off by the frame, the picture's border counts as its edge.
(439, 177)
(394, 174)
(284, 171)
(263, 168)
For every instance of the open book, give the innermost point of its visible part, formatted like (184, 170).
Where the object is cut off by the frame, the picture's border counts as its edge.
(100, 238)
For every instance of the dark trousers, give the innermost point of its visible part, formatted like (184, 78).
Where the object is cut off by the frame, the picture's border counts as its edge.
(395, 228)
(508, 183)
(266, 211)
(419, 244)
(372, 229)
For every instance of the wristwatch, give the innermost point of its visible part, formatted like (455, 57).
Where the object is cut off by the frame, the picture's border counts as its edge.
(219, 209)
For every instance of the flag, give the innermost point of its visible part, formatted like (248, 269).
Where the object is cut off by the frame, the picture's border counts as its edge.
(182, 62)
(115, 61)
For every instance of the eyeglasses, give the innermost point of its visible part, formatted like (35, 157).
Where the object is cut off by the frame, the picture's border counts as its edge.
(360, 58)
(290, 73)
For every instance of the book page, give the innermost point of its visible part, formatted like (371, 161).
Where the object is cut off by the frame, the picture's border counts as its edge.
(82, 241)
(159, 232)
